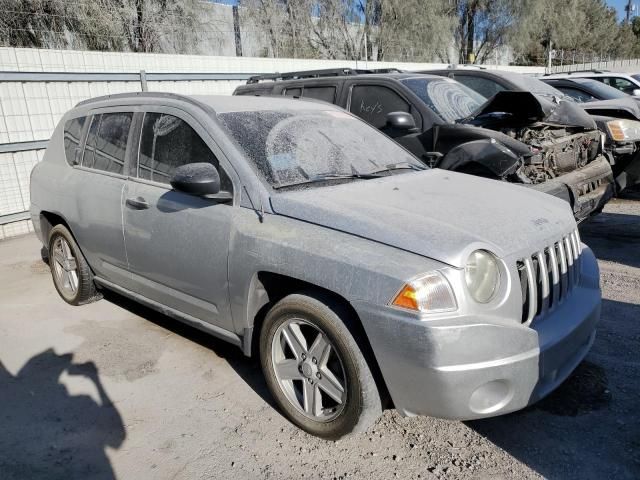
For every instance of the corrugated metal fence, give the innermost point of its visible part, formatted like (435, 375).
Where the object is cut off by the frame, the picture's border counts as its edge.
(38, 86)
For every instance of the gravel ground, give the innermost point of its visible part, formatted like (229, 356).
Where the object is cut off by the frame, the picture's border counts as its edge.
(113, 389)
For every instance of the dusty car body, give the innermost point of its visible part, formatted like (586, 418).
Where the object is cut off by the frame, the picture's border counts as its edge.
(282, 227)
(617, 117)
(442, 126)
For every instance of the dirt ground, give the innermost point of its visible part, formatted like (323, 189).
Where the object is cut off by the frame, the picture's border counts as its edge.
(115, 390)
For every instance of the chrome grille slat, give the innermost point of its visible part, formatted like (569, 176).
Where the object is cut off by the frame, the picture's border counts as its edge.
(569, 250)
(555, 275)
(532, 290)
(563, 270)
(544, 281)
(548, 276)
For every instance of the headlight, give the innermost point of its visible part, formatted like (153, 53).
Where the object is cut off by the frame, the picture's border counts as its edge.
(482, 275)
(430, 293)
(621, 130)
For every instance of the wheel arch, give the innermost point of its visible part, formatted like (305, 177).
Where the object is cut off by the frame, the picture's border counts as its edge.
(48, 220)
(267, 288)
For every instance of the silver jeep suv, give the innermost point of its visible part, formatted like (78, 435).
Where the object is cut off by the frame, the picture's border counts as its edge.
(299, 233)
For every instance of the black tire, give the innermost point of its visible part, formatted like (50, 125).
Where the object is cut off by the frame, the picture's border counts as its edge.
(86, 291)
(362, 406)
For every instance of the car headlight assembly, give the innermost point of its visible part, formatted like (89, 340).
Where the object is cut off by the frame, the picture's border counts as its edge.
(624, 130)
(429, 293)
(482, 276)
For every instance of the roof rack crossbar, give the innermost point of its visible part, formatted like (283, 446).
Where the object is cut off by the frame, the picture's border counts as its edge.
(327, 72)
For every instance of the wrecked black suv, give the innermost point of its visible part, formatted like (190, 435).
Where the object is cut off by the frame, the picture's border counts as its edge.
(516, 136)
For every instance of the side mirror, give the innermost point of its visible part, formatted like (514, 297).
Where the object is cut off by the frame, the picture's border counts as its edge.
(636, 92)
(196, 179)
(400, 121)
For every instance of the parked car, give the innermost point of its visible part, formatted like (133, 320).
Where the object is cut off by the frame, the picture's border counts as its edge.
(299, 233)
(627, 83)
(617, 117)
(584, 90)
(438, 120)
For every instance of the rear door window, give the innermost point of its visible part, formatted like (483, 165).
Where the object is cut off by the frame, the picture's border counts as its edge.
(372, 103)
(73, 139)
(107, 142)
(169, 142)
(326, 94)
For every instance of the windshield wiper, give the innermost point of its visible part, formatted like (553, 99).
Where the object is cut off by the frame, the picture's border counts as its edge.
(399, 166)
(327, 177)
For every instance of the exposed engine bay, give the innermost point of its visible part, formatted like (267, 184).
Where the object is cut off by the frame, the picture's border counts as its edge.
(554, 150)
(551, 146)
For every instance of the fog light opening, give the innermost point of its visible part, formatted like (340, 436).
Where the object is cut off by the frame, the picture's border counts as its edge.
(491, 397)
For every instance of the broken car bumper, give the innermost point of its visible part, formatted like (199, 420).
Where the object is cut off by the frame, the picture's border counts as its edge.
(586, 189)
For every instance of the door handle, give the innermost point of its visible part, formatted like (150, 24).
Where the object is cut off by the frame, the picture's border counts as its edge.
(138, 203)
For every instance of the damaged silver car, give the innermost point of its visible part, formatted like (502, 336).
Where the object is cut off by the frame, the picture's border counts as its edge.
(361, 278)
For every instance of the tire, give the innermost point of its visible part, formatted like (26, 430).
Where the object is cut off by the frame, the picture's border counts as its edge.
(71, 273)
(309, 322)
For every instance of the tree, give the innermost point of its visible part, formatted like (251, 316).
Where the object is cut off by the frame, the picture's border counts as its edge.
(411, 29)
(160, 25)
(487, 25)
(59, 24)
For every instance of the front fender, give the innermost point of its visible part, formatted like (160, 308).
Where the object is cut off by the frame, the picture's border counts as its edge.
(488, 153)
(354, 268)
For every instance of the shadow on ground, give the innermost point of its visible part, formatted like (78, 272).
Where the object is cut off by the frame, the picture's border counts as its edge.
(248, 369)
(588, 428)
(612, 237)
(47, 433)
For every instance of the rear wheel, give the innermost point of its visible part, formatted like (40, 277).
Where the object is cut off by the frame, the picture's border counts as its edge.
(71, 274)
(315, 369)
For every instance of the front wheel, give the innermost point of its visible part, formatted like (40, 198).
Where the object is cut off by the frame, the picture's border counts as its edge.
(314, 368)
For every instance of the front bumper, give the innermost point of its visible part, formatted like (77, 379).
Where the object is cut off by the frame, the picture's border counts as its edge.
(472, 367)
(586, 189)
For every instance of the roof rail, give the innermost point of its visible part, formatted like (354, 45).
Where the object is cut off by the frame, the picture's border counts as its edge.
(592, 70)
(453, 66)
(327, 72)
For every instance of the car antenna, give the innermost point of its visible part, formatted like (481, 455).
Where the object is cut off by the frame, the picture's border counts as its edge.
(259, 212)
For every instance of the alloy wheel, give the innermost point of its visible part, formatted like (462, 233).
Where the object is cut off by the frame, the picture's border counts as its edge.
(309, 370)
(65, 267)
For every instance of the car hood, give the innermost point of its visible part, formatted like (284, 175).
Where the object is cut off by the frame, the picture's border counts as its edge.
(436, 213)
(627, 108)
(529, 107)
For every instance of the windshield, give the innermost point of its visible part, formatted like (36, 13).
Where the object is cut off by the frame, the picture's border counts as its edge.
(448, 98)
(292, 147)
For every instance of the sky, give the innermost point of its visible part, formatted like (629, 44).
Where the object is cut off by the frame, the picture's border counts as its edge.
(620, 4)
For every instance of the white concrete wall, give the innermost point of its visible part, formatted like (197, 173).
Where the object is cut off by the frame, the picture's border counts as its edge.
(29, 110)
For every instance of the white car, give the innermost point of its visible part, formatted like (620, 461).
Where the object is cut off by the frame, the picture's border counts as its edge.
(625, 82)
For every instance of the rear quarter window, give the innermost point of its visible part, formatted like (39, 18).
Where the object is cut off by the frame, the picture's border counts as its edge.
(326, 94)
(107, 142)
(73, 139)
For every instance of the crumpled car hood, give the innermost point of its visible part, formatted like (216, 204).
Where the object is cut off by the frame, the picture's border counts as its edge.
(526, 106)
(436, 213)
(628, 107)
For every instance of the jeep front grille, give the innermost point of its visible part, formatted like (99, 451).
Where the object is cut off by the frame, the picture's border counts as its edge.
(548, 276)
